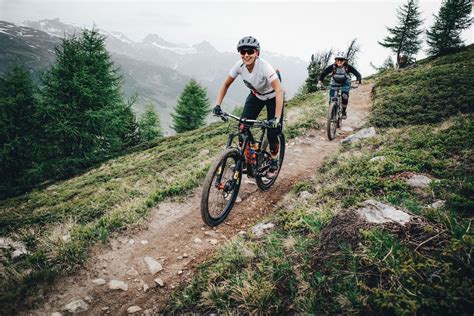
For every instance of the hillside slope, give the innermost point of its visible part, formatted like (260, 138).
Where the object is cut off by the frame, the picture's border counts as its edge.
(178, 238)
(58, 225)
(322, 257)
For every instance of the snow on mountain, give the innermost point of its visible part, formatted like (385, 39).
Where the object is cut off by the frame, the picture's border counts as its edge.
(144, 61)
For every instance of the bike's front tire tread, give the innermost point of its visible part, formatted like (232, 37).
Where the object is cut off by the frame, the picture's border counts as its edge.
(331, 121)
(208, 182)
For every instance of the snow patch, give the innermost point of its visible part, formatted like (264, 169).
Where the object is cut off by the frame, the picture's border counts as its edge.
(177, 50)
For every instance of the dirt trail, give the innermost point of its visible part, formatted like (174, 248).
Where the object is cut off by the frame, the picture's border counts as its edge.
(171, 231)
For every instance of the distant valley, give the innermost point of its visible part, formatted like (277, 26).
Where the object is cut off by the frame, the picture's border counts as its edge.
(155, 69)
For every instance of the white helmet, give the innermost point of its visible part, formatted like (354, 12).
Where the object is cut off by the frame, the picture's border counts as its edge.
(341, 55)
(248, 41)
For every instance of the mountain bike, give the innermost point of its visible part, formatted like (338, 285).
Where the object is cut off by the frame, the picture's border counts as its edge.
(251, 156)
(334, 120)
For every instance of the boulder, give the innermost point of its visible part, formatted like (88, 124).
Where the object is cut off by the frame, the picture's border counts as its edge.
(379, 213)
(419, 181)
(363, 133)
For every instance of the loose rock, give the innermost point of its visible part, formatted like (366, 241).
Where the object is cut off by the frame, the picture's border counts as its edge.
(76, 306)
(378, 158)
(133, 309)
(132, 272)
(98, 281)
(118, 285)
(18, 247)
(153, 265)
(213, 241)
(305, 195)
(437, 205)
(159, 282)
(262, 228)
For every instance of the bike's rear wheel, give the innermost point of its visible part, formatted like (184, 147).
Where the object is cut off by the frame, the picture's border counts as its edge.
(332, 121)
(221, 187)
(263, 182)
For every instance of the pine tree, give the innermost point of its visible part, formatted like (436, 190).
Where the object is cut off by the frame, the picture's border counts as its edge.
(192, 108)
(318, 63)
(404, 40)
(149, 126)
(352, 50)
(17, 126)
(452, 19)
(83, 114)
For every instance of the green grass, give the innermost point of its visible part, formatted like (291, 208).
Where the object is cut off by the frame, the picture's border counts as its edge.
(321, 259)
(428, 93)
(60, 223)
(380, 272)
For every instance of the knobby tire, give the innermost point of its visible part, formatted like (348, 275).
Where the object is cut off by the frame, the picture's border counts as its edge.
(213, 199)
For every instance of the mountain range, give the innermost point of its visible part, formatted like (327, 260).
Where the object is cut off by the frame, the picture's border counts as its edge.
(155, 69)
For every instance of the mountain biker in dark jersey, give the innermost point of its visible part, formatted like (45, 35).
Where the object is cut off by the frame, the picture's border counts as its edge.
(340, 71)
(265, 90)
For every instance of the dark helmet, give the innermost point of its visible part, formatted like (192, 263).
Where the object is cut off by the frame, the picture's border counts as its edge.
(248, 41)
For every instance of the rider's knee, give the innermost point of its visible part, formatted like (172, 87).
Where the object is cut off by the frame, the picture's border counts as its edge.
(345, 98)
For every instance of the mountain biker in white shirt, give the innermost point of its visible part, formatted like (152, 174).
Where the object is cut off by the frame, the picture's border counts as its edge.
(265, 90)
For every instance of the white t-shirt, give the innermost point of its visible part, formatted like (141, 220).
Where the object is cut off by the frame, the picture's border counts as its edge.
(259, 80)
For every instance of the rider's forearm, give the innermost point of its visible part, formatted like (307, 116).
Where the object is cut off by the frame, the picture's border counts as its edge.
(222, 93)
(279, 103)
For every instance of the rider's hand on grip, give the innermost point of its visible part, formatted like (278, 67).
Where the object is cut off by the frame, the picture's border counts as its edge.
(217, 110)
(274, 122)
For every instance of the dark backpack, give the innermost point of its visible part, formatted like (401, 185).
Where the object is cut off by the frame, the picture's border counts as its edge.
(339, 76)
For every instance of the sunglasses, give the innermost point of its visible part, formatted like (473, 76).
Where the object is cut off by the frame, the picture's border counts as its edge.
(338, 59)
(247, 51)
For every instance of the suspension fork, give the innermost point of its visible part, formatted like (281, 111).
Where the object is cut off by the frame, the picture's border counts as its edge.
(217, 182)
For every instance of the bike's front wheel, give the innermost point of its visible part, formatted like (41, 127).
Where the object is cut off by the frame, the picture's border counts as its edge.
(221, 187)
(264, 182)
(332, 121)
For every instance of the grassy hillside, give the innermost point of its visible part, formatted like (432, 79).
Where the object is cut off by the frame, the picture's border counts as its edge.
(322, 259)
(58, 224)
(427, 93)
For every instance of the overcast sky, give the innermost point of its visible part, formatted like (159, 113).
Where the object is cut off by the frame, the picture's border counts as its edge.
(294, 28)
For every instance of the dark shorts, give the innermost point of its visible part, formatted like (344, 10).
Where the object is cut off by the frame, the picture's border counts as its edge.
(253, 107)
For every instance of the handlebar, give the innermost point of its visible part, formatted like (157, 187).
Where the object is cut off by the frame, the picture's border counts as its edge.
(352, 87)
(258, 123)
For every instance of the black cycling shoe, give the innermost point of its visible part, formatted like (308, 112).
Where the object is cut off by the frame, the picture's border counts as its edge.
(344, 114)
(273, 169)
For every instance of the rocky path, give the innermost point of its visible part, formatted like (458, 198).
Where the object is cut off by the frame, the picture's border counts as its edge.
(176, 240)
